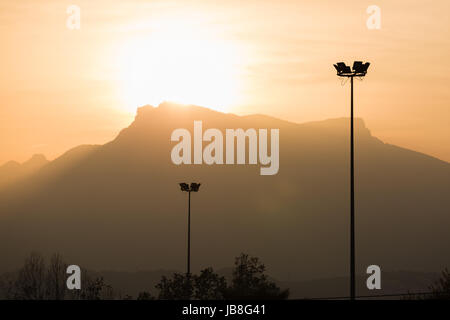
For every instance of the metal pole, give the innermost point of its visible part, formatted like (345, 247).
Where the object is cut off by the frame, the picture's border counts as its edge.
(352, 204)
(189, 236)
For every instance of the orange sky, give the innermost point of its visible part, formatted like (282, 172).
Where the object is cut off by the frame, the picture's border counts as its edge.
(60, 87)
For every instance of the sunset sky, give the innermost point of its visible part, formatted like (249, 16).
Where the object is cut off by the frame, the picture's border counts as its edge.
(60, 88)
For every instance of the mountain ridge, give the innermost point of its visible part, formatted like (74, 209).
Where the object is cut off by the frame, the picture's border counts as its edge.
(13, 171)
(145, 111)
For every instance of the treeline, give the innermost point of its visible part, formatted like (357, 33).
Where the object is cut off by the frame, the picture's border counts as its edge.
(41, 280)
(38, 280)
(248, 281)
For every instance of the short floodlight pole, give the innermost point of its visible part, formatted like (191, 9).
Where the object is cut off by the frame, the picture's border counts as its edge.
(186, 188)
(359, 70)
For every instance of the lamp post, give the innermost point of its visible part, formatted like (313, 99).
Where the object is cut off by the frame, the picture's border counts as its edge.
(359, 70)
(192, 188)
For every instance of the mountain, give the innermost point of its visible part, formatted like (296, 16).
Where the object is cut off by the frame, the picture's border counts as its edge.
(13, 171)
(118, 206)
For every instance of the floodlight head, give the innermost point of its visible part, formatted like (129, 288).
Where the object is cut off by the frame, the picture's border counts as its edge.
(184, 186)
(366, 66)
(347, 70)
(195, 186)
(357, 66)
(359, 69)
(340, 67)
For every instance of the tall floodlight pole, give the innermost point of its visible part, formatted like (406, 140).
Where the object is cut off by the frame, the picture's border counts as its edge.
(359, 70)
(192, 188)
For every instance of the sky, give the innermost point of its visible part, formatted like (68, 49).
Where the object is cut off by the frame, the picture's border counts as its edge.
(61, 87)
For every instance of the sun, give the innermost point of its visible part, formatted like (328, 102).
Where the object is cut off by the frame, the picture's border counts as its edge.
(179, 63)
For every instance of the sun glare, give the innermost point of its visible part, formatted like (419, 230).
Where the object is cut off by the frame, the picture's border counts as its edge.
(175, 62)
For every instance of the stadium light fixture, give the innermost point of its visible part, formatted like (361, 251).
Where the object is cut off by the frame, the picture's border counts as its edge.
(194, 187)
(359, 70)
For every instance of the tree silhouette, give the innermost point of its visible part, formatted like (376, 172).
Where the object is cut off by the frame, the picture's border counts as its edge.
(94, 289)
(441, 288)
(209, 285)
(145, 295)
(31, 280)
(56, 278)
(250, 282)
(37, 281)
(206, 286)
(180, 287)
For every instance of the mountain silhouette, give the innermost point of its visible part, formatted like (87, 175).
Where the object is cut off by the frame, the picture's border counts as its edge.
(13, 171)
(118, 206)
